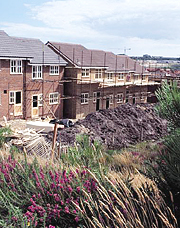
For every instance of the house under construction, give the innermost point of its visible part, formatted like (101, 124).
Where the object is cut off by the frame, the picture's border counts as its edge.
(66, 80)
(96, 79)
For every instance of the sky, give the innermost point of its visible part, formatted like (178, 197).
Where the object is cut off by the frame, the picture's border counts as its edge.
(132, 27)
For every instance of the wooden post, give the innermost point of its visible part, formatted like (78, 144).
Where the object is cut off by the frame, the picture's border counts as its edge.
(54, 141)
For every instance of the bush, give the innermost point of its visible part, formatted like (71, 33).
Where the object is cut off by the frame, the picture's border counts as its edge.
(42, 195)
(4, 132)
(169, 103)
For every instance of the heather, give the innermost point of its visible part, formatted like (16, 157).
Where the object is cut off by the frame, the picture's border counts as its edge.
(35, 194)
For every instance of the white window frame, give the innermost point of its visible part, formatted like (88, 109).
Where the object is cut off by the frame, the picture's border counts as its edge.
(136, 77)
(54, 70)
(37, 70)
(120, 98)
(40, 99)
(111, 99)
(110, 76)
(85, 72)
(94, 97)
(54, 99)
(15, 66)
(143, 77)
(84, 98)
(98, 74)
(120, 76)
(12, 99)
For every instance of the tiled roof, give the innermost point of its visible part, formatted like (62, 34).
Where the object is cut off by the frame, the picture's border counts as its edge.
(84, 57)
(10, 48)
(26, 47)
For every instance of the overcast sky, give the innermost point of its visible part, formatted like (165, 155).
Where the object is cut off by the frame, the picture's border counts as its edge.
(136, 27)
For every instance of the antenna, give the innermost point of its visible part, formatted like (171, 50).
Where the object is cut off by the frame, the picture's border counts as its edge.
(126, 49)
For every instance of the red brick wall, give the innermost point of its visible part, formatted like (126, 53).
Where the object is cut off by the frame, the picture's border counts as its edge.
(14, 82)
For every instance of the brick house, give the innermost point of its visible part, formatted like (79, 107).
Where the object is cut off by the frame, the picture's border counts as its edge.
(30, 79)
(95, 79)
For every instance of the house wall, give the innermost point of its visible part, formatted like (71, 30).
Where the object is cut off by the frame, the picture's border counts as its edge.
(136, 95)
(51, 84)
(8, 82)
(128, 77)
(29, 87)
(73, 108)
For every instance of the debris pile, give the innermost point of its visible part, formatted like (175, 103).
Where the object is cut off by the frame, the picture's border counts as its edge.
(117, 128)
(32, 142)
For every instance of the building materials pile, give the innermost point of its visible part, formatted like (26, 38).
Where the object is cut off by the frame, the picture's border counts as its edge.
(32, 142)
(117, 128)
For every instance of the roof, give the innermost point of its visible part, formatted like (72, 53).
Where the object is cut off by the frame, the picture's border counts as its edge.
(10, 48)
(83, 57)
(27, 47)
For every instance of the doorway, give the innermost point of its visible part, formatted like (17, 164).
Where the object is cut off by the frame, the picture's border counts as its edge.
(17, 103)
(35, 110)
(98, 101)
(107, 102)
(134, 99)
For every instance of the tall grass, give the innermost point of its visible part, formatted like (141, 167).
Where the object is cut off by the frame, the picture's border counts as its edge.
(121, 206)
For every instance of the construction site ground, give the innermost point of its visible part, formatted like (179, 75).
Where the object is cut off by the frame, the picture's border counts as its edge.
(115, 128)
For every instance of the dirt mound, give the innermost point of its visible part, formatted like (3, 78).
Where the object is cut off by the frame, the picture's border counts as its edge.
(119, 127)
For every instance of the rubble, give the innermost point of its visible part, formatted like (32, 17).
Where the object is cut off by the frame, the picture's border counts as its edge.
(117, 128)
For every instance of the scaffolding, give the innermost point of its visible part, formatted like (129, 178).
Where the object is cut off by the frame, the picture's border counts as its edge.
(75, 81)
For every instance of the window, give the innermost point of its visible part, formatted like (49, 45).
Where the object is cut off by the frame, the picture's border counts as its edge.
(136, 77)
(143, 95)
(54, 98)
(36, 72)
(40, 100)
(54, 70)
(111, 99)
(143, 77)
(127, 96)
(120, 76)
(11, 97)
(98, 73)
(16, 66)
(85, 72)
(120, 98)
(128, 78)
(109, 76)
(15, 97)
(84, 98)
(94, 97)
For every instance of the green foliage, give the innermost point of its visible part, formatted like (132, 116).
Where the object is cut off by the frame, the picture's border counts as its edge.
(4, 132)
(170, 161)
(169, 103)
(86, 154)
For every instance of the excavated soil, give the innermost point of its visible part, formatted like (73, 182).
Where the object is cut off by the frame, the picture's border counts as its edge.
(117, 128)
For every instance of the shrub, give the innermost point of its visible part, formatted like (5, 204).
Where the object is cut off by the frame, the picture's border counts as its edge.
(169, 103)
(43, 195)
(4, 132)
